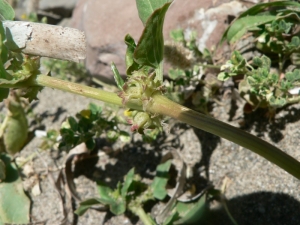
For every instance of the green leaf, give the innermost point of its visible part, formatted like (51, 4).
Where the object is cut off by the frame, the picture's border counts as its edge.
(149, 51)
(284, 26)
(274, 78)
(85, 205)
(15, 81)
(125, 137)
(131, 65)
(170, 219)
(127, 182)
(90, 143)
(95, 109)
(16, 127)
(73, 123)
(191, 213)
(112, 135)
(176, 73)
(6, 11)
(2, 171)
(147, 7)
(52, 134)
(260, 7)
(31, 93)
(257, 61)
(295, 41)
(277, 102)
(238, 61)
(4, 55)
(266, 62)
(22, 75)
(177, 35)
(118, 79)
(3, 48)
(161, 179)
(250, 19)
(113, 199)
(242, 25)
(104, 192)
(223, 76)
(3, 93)
(293, 76)
(14, 204)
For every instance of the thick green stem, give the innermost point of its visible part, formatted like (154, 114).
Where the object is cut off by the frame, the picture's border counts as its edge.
(52, 82)
(164, 106)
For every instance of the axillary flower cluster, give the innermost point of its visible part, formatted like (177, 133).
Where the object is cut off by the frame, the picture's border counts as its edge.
(139, 90)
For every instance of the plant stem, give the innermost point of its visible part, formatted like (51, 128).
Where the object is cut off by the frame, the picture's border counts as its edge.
(139, 211)
(208, 66)
(293, 100)
(52, 82)
(164, 106)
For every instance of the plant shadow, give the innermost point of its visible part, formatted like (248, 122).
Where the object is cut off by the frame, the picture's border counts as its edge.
(260, 122)
(258, 208)
(111, 167)
(209, 143)
(255, 208)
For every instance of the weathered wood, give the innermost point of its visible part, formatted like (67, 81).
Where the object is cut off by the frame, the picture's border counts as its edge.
(46, 40)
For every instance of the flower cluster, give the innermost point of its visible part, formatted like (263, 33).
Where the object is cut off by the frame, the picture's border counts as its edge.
(139, 89)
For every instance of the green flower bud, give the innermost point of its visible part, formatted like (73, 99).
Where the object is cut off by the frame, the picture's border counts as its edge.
(139, 89)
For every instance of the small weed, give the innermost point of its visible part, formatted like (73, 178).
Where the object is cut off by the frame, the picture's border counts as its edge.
(266, 82)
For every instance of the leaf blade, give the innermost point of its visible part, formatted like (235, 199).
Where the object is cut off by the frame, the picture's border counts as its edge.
(118, 79)
(85, 205)
(149, 51)
(127, 183)
(256, 9)
(107, 197)
(193, 214)
(14, 204)
(147, 7)
(6, 11)
(242, 25)
(160, 181)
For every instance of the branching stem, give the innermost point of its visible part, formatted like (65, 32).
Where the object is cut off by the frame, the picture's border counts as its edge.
(164, 106)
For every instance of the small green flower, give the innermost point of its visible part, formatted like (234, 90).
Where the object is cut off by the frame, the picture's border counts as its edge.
(139, 89)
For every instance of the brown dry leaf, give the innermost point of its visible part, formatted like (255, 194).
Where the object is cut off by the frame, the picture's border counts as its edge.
(77, 152)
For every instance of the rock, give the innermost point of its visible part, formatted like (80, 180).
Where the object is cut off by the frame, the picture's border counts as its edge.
(106, 24)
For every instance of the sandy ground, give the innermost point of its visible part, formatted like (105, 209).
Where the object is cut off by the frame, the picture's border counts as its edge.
(258, 192)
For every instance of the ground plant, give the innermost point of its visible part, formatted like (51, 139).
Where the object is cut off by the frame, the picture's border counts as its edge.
(149, 100)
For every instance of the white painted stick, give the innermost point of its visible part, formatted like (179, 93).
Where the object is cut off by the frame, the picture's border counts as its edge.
(46, 40)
